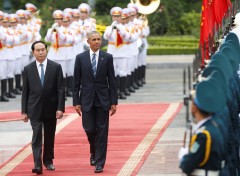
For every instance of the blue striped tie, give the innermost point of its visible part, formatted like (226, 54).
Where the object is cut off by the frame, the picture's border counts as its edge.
(94, 64)
(42, 74)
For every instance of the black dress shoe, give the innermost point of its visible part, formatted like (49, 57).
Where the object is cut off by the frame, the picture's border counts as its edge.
(11, 95)
(50, 167)
(69, 93)
(4, 98)
(37, 170)
(92, 160)
(98, 169)
(127, 93)
(131, 89)
(17, 91)
(122, 96)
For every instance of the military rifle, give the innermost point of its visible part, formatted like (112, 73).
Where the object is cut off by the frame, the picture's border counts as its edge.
(186, 99)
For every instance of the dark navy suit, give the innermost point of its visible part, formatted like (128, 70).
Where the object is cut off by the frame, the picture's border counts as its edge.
(95, 94)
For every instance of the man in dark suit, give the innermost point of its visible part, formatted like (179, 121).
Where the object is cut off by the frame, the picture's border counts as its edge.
(43, 102)
(94, 79)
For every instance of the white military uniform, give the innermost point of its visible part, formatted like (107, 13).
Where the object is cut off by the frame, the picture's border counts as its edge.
(86, 24)
(53, 36)
(118, 39)
(3, 56)
(3, 61)
(75, 25)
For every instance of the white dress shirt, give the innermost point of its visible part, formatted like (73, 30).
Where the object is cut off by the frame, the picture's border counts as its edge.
(39, 67)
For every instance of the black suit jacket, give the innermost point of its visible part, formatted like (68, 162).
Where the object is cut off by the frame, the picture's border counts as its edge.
(103, 85)
(38, 100)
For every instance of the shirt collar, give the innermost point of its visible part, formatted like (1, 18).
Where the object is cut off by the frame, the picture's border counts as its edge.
(44, 63)
(199, 124)
(91, 53)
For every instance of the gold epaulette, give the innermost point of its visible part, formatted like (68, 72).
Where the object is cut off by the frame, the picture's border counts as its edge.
(208, 143)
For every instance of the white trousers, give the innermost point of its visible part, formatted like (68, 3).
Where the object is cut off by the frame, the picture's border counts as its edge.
(120, 66)
(3, 69)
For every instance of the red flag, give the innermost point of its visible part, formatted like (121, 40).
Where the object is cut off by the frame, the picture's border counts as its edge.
(205, 29)
(220, 9)
(211, 17)
(1, 46)
(119, 39)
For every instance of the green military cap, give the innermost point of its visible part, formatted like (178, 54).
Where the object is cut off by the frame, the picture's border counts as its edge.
(233, 37)
(220, 60)
(210, 96)
(218, 74)
(232, 57)
(236, 48)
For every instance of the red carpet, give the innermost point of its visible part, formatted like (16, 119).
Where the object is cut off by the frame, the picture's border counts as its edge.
(16, 115)
(10, 116)
(134, 131)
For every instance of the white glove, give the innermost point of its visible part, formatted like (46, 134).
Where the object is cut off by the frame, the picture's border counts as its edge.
(114, 25)
(55, 26)
(183, 151)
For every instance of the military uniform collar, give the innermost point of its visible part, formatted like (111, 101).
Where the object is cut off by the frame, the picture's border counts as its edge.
(199, 124)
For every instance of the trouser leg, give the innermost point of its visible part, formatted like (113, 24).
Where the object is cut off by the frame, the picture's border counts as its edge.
(49, 137)
(10, 88)
(4, 90)
(37, 143)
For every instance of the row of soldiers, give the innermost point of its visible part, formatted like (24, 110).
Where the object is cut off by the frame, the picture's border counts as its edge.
(127, 43)
(126, 38)
(17, 32)
(214, 147)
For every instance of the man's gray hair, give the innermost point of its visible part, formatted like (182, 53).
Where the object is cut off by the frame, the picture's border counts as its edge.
(89, 34)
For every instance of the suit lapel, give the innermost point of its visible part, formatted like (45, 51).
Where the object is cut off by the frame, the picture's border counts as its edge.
(35, 73)
(89, 62)
(47, 72)
(100, 61)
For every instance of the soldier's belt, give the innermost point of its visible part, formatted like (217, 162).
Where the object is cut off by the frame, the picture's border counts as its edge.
(114, 43)
(4, 46)
(203, 172)
(23, 43)
(60, 46)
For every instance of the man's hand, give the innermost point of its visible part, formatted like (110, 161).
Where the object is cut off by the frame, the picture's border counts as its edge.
(25, 117)
(59, 114)
(113, 109)
(78, 109)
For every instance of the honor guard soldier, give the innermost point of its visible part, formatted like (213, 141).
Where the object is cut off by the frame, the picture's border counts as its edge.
(230, 48)
(24, 36)
(15, 63)
(34, 20)
(78, 46)
(86, 24)
(19, 35)
(62, 39)
(34, 24)
(145, 31)
(118, 40)
(206, 147)
(133, 59)
(3, 61)
(71, 38)
(53, 37)
(222, 117)
(7, 45)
